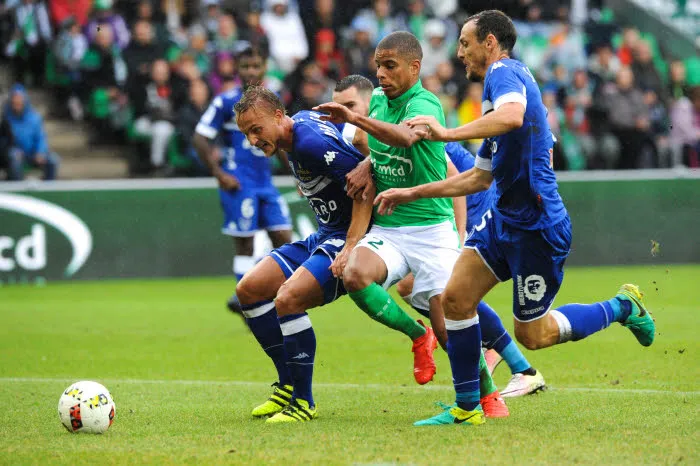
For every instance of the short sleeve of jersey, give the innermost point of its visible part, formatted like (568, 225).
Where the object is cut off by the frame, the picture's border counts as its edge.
(423, 105)
(484, 157)
(213, 119)
(504, 85)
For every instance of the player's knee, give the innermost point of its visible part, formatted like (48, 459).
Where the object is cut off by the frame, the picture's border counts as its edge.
(246, 291)
(355, 279)
(288, 303)
(404, 288)
(456, 307)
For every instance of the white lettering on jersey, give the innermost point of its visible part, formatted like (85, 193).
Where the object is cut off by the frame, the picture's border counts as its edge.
(330, 157)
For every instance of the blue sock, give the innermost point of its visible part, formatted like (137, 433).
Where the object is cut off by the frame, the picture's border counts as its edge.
(464, 351)
(300, 346)
(577, 321)
(495, 336)
(262, 320)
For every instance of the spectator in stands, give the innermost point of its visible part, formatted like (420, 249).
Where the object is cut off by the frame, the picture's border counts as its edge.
(415, 19)
(284, 29)
(312, 90)
(328, 57)
(470, 109)
(379, 20)
(436, 48)
(30, 41)
(226, 35)
(210, 17)
(224, 69)
(629, 118)
(141, 53)
(630, 41)
(360, 52)
(685, 131)
(324, 16)
(678, 85)
(155, 113)
(646, 76)
(566, 48)
(187, 119)
(61, 9)
(174, 11)
(442, 8)
(184, 72)
(30, 147)
(105, 75)
(69, 49)
(103, 14)
(197, 48)
(144, 12)
(253, 33)
(7, 141)
(603, 66)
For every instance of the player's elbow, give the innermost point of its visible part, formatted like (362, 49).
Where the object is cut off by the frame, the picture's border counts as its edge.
(515, 119)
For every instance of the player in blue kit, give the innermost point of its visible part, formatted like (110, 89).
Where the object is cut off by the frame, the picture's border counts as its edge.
(296, 277)
(248, 198)
(526, 235)
(500, 346)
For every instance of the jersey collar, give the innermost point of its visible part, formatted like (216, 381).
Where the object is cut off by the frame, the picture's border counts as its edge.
(401, 100)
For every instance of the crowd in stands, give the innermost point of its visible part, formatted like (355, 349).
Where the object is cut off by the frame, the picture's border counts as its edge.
(142, 72)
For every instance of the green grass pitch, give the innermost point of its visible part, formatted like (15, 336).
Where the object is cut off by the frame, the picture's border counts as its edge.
(185, 374)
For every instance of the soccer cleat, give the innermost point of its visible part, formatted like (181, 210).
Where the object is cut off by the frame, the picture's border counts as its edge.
(455, 415)
(522, 384)
(296, 411)
(280, 399)
(494, 405)
(493, 359)
(640, 322)
(423, 361)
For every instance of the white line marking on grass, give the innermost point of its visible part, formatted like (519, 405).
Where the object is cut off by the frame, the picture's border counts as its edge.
(345, 386)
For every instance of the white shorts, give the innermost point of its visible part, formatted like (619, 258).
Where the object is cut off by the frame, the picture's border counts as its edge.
(430, 252)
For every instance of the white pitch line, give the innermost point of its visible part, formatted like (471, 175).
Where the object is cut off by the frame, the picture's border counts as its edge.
(351, 386)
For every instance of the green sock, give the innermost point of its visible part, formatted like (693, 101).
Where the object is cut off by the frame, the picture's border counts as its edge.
(486, 385)
(377, 304)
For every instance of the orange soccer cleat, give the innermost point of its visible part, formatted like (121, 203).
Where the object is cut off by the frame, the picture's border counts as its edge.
(494, 405)
(423, 361)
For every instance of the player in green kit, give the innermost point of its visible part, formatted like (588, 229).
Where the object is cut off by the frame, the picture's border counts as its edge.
(421, 237)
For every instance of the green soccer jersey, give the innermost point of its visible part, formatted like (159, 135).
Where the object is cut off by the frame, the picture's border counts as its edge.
(423, 162)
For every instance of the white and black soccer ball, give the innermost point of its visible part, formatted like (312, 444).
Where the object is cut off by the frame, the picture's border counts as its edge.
(86, 407)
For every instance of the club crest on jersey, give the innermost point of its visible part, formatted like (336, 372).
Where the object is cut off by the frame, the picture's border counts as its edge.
(535, 287)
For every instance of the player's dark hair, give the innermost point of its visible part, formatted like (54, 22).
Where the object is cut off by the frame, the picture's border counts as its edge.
(255, 96)
(360, 83)
(405, 43)
(497, 23)
(249, 50)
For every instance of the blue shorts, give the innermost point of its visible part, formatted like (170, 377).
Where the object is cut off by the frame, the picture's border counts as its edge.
(316, 254)
(534, 259)
(249, 210)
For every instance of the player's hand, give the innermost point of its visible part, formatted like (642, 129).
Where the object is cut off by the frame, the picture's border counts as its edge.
(336, 113)
(228, 182)
(359, 181)
(427, 127)
(340, 261)
(389, 199)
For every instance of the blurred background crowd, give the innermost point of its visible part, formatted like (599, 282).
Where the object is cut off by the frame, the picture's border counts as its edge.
(140, 73)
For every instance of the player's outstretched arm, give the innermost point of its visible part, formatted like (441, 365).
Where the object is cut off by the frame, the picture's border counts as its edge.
(506, 118)
(361, 216)
(470, 182)
(393, 135)
(459, 204)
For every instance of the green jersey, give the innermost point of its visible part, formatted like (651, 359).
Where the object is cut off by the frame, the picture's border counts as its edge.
(423, 162)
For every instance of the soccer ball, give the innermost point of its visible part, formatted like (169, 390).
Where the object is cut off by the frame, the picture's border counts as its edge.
(86, 407)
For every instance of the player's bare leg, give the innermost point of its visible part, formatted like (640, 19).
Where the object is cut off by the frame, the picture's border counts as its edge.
(362, 275)
(298, 294)
(256, 292)
(279, 237)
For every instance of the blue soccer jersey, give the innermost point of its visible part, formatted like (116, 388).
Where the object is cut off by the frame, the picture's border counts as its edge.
(245, 162)
(479, 203)
(320, 158)
(520, 160)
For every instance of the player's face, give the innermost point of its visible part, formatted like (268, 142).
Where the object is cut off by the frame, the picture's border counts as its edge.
(472, 53)
(396, 74)
(251, 70)
(352, 99)
(262, 128)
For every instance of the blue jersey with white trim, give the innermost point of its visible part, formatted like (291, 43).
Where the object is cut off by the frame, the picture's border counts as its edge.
(320, 158)
(521, 160)
(477, 203)
(245, 162)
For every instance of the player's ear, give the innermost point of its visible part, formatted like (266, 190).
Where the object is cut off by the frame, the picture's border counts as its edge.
(415, 67)
(491, 42)
(279, 114)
